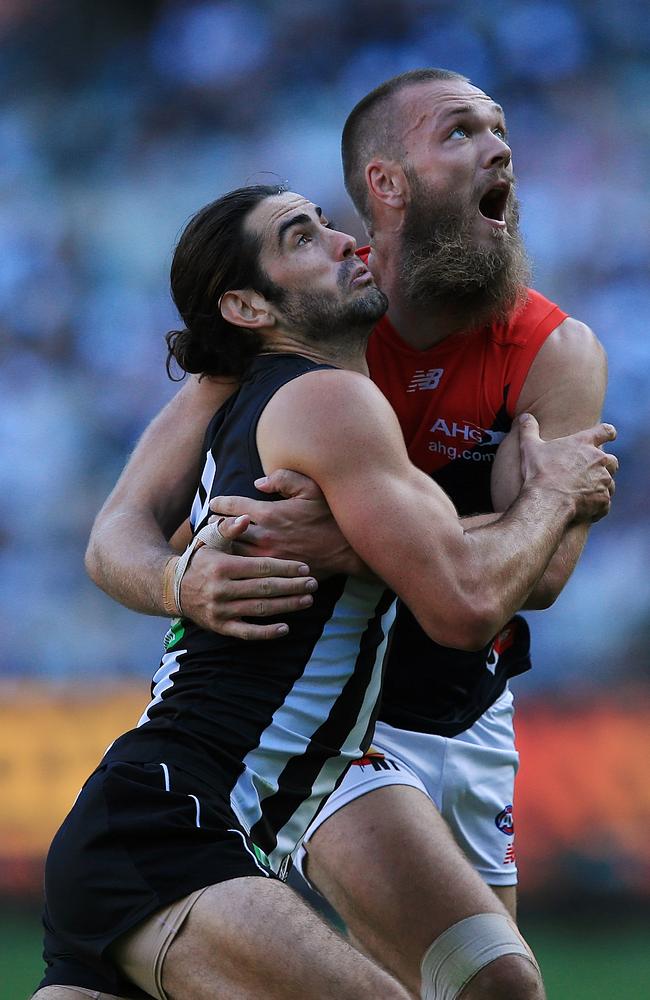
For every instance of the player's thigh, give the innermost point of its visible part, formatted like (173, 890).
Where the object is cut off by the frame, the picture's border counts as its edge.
(250, 938)
(389, 864)
(507, 894)
(71, 993)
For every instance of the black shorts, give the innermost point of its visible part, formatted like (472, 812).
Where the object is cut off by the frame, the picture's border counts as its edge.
(139, 837)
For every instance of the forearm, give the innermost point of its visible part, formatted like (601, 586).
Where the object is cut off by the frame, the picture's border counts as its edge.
(128, 545)
(561, 566)
(479, 520)
(499, 569)
(126, 557)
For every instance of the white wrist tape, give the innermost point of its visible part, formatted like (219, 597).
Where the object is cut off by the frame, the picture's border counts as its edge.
(464, 949)
(208, 535)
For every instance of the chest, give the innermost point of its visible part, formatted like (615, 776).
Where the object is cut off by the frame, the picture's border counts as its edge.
(451, 405)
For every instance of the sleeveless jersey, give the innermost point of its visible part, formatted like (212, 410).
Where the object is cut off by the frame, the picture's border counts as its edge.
(455, 403)
(273, 724)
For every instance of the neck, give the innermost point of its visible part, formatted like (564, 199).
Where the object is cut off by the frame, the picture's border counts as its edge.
(351, 356)
(419, 326)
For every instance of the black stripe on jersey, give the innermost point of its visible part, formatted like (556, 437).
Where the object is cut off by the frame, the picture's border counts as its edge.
(212, 721)
(278, 808)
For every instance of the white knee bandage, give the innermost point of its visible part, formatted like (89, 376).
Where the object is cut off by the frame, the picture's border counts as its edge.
(465, 948)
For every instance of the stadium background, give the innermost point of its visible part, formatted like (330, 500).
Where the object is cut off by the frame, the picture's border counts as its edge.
(118, 120)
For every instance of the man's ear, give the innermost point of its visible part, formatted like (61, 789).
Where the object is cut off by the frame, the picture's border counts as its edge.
(246, 307)
(387, 183)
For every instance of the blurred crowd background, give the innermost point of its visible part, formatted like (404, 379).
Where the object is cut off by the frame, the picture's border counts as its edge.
(117, 121)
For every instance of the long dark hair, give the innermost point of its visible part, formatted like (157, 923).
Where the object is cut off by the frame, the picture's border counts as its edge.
(214, 255)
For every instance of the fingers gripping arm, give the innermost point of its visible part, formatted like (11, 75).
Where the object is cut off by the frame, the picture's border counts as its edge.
(299, 527)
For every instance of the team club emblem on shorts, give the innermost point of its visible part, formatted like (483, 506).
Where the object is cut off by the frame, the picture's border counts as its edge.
(505, 821)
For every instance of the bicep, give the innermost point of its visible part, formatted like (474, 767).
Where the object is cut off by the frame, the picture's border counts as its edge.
(161, 474)
(564, 390)
(565, 386)
(344, 435)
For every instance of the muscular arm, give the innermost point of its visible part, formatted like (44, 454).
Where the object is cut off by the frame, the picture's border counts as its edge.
(338, 429)
(128, 545)
(564, 390)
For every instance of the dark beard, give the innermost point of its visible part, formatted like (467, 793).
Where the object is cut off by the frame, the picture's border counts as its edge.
(323, 318)
(443, 267)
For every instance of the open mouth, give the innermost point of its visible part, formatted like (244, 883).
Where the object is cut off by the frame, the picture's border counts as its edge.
(492, 205)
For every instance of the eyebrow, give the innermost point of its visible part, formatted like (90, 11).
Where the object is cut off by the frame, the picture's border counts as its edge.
(464, 109)
(297, 220)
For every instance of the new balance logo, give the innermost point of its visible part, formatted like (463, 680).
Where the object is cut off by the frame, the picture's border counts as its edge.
(422, 379)
(509, 858)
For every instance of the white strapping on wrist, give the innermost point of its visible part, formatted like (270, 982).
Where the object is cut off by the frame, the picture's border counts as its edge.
(208, 535)
(168, 600)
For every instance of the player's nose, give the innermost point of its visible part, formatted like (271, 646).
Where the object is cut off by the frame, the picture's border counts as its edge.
(345, 245)
(497, 152)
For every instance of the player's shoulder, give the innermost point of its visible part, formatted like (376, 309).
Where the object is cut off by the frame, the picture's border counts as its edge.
(533, 319)
(328, 388)
(573, 342)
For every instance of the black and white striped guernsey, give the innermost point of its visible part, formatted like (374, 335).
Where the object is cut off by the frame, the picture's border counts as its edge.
(274, 724)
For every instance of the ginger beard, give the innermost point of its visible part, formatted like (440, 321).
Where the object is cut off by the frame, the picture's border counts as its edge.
(443, 265)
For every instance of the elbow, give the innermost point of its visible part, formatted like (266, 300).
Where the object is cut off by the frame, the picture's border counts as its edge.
(469, 625)
(92, 560)
(543, 595)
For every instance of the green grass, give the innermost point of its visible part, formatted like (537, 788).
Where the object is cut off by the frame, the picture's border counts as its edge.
(22, 965)
(596, 960)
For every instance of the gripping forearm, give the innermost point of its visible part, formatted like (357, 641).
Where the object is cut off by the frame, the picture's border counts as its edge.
(559, 569)
(126, 557)
(541, 518)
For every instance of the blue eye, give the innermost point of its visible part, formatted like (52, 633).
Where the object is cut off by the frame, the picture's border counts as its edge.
(501, 133)
(460, 130)
(302, 239)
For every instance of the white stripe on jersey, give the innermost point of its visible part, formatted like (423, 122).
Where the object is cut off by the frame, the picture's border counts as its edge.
(307, 706)
(293, 831)
(201, 510)
(162, 681)
(198, 809)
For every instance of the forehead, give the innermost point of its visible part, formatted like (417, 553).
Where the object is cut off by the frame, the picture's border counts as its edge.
(432, 100)
(266, 219)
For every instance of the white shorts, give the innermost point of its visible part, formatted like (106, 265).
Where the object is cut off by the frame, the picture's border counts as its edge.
(470, 778)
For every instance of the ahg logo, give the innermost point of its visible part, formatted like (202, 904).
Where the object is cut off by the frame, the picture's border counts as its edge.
(467, 431)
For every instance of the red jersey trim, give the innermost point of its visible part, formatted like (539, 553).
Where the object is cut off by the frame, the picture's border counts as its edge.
(524, 334)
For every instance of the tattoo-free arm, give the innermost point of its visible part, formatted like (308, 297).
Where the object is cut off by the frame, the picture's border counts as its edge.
(564, 389)
(337, 428)
(128, 546)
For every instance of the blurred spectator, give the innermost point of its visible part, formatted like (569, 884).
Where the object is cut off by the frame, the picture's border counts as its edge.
(118, 120)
